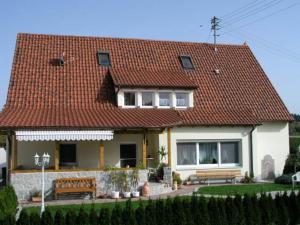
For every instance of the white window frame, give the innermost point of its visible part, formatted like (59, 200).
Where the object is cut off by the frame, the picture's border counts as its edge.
(170, 99)
(135, 101)
(218, 165)
(153, 99)
(187, 99)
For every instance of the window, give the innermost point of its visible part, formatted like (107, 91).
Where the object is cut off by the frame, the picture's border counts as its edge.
(164, 99)
(127, 155)
(67, 155)
(147, 99)
(186, 154)
(208, 153)
(129, 98)
(229, 152)
(103, 59)
(186, 62)
(181, 99)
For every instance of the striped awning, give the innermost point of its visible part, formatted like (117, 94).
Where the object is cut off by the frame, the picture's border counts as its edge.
(79, 135)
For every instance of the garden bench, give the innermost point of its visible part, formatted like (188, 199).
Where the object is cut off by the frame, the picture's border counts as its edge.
(75, 185)
(216, 174)
(295, 178)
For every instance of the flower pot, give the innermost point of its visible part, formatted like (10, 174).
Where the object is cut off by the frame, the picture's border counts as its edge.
(127, 194)
(136, 194)
(36, 199)
(146, 189)
(115, 194)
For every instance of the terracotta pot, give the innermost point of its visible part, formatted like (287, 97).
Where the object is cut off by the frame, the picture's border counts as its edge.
(36, 199)
(146, 189)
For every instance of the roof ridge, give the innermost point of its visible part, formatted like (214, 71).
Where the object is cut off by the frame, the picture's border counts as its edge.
(129, 39)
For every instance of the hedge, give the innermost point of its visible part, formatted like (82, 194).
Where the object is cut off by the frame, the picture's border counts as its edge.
(197, 210)
(8, 203)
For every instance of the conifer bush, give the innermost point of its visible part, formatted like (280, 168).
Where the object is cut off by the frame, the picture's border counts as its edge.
(59, 218)
(104, 217)
(82, 217)
(70, 217)
(150, 213)
(47, 218)
(140, 214)
(169, 212)
(23, 218)
(93, 217)
(240, 209)
(214, 213)
(128, 217)
(116, 218)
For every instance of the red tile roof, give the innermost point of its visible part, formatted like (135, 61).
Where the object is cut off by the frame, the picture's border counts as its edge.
(81, 93)
(143, 78)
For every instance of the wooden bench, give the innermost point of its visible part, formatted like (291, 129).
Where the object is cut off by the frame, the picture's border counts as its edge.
(75, 185)
(218, 174)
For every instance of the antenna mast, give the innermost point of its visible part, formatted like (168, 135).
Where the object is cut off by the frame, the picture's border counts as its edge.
(215, 27)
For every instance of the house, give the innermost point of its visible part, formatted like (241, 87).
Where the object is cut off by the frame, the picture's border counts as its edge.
(93, 103)
(2, 158)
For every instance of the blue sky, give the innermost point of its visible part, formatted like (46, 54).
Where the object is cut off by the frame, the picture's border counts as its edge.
(274, 36)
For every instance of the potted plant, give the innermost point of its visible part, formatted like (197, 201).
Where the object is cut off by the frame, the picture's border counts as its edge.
(125, 185)
(114, 181)
(36, 196)
(176, 180)
(135, 179)
(188, 181)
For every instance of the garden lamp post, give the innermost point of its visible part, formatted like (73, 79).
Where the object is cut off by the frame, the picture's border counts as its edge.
(45, 159)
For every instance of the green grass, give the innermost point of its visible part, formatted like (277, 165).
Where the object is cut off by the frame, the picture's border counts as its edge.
(244, 189)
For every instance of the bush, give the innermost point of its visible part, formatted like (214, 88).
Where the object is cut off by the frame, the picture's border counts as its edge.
(47, 218)
(104, 217)
(176, 178)
(292, 164)
(59, 218)
(284, 179)
(36, 220)
(8, 202)
(24, 218)
(160, 171)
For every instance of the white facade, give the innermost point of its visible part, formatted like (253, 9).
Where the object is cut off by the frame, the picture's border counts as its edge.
(269, 139)
(2, 159)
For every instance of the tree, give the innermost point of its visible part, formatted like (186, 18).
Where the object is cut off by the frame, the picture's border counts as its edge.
(188, 214)
(160, 211)
(222, 210)
(203, 217)
(179, 213)
(168, 212)
(150, 213)
(255, 210)
(140, 214)
(265, 210)
(23, 218)
(240, 209)
(82, 217)
(294, 208)
(248, 210)
(59, 218)
(282, 217)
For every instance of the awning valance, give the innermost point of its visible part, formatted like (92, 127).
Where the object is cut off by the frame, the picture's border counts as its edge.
(80, 135)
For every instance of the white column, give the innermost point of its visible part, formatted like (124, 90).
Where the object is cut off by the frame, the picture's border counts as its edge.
(120, 98)
(173, 99)
(156, 99)
(138, 98)
(191, 99)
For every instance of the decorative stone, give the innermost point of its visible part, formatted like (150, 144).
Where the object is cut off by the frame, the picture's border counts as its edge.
(267, 168)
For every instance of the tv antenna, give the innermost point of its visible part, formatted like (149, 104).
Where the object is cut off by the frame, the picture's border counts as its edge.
(215, 26)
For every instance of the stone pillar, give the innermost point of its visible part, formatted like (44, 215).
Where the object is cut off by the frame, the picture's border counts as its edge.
(168, 176)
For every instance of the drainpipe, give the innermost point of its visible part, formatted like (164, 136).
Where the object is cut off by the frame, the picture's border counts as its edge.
(251, 151)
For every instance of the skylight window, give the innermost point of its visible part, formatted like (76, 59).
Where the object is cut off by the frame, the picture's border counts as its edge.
(103, 59)
(186, 62)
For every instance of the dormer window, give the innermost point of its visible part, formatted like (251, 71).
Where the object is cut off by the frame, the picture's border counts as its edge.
(103, 59)
(147, 99)
(164, 99)
(129, 98)
(186, 62)
(181, 99)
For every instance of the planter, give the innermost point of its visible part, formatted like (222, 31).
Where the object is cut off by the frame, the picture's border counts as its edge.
(127, 194)
(146, 189)
(115, 194)
(36, 199)
(135, 194)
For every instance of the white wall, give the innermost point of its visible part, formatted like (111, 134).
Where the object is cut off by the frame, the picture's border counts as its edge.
(271, 139)
(268, 139)
(2, 159)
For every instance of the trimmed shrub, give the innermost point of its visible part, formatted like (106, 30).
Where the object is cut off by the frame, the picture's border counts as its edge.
(93, 217)
(282, 216)
(82, 217)
(284, 179)
(47, 218)
(255, 210)
(140, 214)
(294, 208)
(35, 219)
(150, 213)
(238, 202)
(104, 217)
(168, 212)
(24, 218)
(203, 215)
(8, 202)
(116, 218)
(59, 218)
(265, 210)
(222, 210)
(71, 217)
(231, 212)
(248, 210)
(160, 211)
(214, 213)
(128, 217)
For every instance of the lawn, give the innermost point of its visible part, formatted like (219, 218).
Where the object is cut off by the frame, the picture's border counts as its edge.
(244, 189)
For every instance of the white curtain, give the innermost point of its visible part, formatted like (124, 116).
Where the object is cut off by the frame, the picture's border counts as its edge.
(229, 152)
(186, 154)
(208, 153)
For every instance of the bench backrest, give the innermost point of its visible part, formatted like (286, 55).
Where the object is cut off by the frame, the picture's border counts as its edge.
(225, 172)
(70, 183)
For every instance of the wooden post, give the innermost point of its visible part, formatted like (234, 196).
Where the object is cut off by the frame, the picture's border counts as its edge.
(144, 151)
(101, 156)
(14, 162)
(169, 148)
(56, 156)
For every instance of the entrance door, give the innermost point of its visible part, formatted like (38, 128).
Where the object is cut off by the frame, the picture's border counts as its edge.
(127, 155)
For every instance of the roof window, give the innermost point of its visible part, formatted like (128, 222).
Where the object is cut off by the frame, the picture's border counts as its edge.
(186, 62)
(103, 59)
